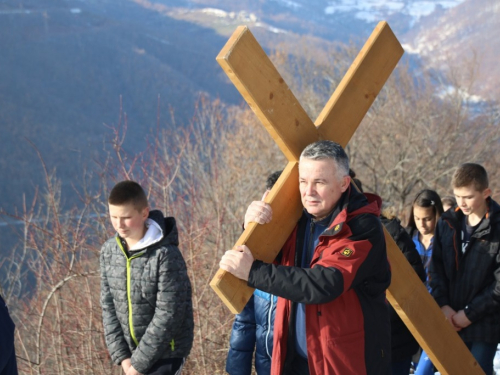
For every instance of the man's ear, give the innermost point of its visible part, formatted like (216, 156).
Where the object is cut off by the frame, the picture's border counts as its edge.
(346, 180)
(145, 212)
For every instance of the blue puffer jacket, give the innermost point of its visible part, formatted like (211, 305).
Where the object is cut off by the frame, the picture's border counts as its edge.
(252, 329)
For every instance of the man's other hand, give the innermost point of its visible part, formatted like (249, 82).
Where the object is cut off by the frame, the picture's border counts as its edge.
(258, 212)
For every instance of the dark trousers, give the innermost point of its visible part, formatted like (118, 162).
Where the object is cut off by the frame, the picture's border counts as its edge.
(168, 366)
(401, 367)
(298, 366)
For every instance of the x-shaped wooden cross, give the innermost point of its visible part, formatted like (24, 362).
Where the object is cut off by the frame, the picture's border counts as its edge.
(265, 91)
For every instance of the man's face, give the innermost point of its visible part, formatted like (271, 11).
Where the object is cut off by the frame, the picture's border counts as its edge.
(425, 219)
(128, 222)
(320, 187)
(471, 201)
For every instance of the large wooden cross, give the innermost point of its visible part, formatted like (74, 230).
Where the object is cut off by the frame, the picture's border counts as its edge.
(256, 78)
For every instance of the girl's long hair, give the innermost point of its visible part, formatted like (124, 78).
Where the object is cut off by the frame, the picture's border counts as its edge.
(425, 198)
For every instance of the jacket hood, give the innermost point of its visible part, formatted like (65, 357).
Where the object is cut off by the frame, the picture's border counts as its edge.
(162, 231)
(168, 226)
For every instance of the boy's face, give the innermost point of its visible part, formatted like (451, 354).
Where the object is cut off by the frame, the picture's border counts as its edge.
(471, 201)
(128, 222)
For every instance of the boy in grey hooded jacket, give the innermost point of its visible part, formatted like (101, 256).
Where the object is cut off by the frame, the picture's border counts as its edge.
(145, 290)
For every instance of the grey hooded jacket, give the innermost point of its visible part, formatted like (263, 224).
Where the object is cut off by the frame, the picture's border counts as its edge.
(146, 299)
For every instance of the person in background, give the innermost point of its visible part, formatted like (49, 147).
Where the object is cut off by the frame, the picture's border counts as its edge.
(403, 344)
(448, 202)
(356, 181)
(145, 289)
(332, 315)
(425, 213)
(465, 267)
(8, 363)
(253, 327)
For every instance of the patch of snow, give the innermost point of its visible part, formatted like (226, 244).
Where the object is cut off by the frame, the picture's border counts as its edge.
(240, 16)
(410, 49)
(421, 8)
(271, 28)
(370, 10)
(289, 4)
(215, 12)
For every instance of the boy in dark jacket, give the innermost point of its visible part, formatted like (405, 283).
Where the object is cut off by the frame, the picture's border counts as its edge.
(8, 365)
(465, 267)
(145, 290)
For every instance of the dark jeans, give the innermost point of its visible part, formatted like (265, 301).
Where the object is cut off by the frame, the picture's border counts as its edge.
(168, 366)
(484, 353)
(401, 367)
(299, 366)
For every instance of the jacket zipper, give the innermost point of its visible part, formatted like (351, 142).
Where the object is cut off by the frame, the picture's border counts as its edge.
(269, 316)
(129, 299)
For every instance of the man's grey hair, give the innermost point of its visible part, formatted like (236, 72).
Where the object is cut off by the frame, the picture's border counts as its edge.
(328, 150)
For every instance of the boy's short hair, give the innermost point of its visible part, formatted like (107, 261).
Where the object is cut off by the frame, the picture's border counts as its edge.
(128, 192)
(470, 174)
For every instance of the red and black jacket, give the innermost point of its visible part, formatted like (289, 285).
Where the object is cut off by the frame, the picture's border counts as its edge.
(347, 316)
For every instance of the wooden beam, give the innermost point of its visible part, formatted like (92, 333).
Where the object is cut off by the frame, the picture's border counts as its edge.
(425, 320)
(265, 241)
(354, 95)
(258, 81)
(254, 75)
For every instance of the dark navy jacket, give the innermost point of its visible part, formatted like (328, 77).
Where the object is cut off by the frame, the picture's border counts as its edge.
(403, 344)
(252, 329)
(8, 364)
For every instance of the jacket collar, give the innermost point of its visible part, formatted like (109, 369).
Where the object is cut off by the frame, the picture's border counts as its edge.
(456, 216)
(352, 203)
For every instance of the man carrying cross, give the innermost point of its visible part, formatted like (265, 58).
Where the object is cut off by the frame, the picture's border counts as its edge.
(331, 276)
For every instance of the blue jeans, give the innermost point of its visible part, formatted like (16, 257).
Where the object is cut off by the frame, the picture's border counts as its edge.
(484, 353)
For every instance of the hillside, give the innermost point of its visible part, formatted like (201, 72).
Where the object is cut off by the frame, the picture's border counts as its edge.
(64, 68)
(66, 64)
(466, 33)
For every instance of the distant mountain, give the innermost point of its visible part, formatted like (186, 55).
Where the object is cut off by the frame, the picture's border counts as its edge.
(65, 64)
(329, 19)
(468, 32)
